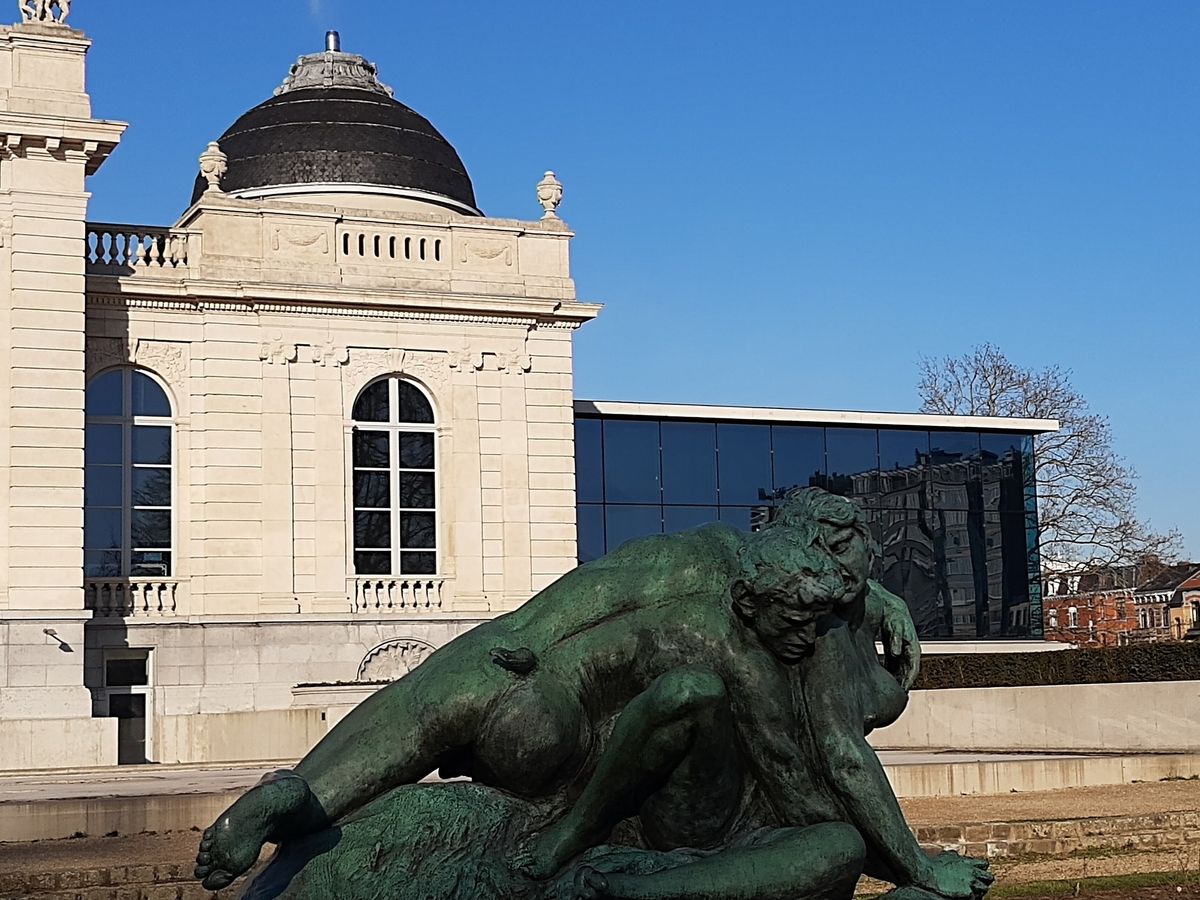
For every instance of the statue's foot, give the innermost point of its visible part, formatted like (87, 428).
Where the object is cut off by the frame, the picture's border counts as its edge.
(590, 884)
(543, 854)
(230, 846)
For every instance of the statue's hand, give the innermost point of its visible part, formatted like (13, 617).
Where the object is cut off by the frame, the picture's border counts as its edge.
(957, 877)
(902, 650)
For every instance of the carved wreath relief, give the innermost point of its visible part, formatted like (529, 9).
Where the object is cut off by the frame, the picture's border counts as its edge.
(393, 660)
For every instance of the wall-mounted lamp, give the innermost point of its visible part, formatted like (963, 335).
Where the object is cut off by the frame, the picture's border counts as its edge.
(62, 645)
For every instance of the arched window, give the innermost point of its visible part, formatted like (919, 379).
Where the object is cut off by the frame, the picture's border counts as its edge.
(127, 477)
(394, 485)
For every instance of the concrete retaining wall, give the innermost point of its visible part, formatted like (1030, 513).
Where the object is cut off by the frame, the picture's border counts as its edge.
(237, 737)
(57, 743)
(1160, 717)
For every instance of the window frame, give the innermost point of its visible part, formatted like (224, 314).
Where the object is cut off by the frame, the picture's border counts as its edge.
(127, 421)
(394, 428)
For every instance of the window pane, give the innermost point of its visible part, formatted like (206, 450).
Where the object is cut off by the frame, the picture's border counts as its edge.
(631, 463)
(418, 563)
(624, 523)
(900, 448)
(152, 444)
(737, 516)
(372, 563)
(744, 457)
(102, 486)
(681, 518)
(150, 563)
(151, 487)
(149, 399)
(370, 449)
(372, 404)
(151, 528)
(125, 673)
(416, 451)
(852, 457)
(416, 490)
(103, 397)
(414, 406)
(102, 529)
(417, 531)
(102, 563)
(372, 529)
(689, 462)
(907, 567)
(102, 444)
(589, 461)
(591, 532)
(798, 456)
(945, 446)
(373, 490)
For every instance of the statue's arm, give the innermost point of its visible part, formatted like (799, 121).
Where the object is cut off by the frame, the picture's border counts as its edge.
(853, 770)
(888, 618)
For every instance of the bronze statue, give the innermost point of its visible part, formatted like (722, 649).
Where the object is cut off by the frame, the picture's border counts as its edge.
(684, 718)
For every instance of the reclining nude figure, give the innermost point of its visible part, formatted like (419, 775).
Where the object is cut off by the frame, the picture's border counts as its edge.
(703, 650)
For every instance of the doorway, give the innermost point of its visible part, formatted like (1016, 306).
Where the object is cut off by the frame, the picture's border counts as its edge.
(129, 700)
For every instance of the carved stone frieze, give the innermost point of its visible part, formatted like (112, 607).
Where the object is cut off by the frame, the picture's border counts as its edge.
(167, 359)
(276, 351)
(393, 659)
(431, 368)
(103, 353)
(327, 353)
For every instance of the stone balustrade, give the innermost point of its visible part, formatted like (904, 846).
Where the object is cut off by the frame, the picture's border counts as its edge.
(134, 596)
(401, 594)
(389, 246)
(123, 249)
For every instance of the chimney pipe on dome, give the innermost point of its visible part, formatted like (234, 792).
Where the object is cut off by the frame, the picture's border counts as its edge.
(333, 42)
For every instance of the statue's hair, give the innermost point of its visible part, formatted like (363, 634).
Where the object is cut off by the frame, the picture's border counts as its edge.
(808, 507)
(788, 565)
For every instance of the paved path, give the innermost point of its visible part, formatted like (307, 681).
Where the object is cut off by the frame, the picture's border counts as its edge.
(148, 781)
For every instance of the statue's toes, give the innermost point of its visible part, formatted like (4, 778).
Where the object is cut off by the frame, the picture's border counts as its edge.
(217, 879)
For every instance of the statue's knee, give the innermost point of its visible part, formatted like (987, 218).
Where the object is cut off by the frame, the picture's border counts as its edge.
(689, 690)
(843, 846)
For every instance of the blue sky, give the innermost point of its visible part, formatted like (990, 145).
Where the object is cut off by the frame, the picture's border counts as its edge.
(780, 203)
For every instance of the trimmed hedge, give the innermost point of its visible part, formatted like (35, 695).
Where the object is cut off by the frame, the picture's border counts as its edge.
(1137, 662)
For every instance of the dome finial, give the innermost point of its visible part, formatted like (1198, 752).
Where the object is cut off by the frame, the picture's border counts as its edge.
(333, 42)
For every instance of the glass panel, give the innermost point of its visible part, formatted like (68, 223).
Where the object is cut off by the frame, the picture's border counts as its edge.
(902, 449)
(373, 490)
(624, 523)
(151, 487)
(907, 567)
(414, 405)
(744, 460)
(903, 469)
(370, 449)
(102, 563)
(102, 444)
(152, 444)
(955, 476)
(589, 461)
(372, 563)
(681, 518)
(102, 486)
(417, 531)
(416, 451)
(591, 532)
(103, 529)
(798, 456)
(418, 563)
(151, 528)
(1005, 471)
(373, 403)
(126, 706)
(689, 462)
(948, 445)
(150, 564)
(149, 399)
(103, 397)
(416, 490)
(631, 462)
(372, 529)
(737, 516)
(852, 457)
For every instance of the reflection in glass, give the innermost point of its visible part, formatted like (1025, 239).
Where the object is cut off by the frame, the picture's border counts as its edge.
(102, 528)
(103, 397)
(737, 516)
(744, 463)
(852, 458)
(372, 563)
(372, 490)
(372, 529)
(102, 486)
(151, 528)
(149, 399)
(101, 563)
(589, 461)
(373, 404)
(416, 490)
(102, 444)
(152, 444)
(631, 462)
(798, 455)
(150, 563)
(417, 531)
(946, 445)
(416, 450)
(591, 531)
(414, 406)
(901, 448)
(151, 487)
(689, 462)
(371, 449)
(681, 518)
(624, 523)
(422, 563)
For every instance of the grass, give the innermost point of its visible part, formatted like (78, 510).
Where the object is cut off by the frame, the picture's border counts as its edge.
(1092, 885)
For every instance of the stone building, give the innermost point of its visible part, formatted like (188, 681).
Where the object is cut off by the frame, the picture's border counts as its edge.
(316, 428)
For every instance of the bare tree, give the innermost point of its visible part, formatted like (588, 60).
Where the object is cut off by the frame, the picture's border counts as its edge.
(1086, 491)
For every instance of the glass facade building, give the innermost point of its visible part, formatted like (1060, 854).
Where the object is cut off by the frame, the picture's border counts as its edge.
(953, 511)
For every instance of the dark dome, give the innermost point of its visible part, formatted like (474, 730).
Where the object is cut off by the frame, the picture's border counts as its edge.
(333, 126)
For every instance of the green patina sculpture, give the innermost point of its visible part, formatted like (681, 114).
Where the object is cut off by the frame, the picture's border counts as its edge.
(684, 718)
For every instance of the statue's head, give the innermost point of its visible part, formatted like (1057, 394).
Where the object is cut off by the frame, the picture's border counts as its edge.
(787, 583)
(840, 531)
